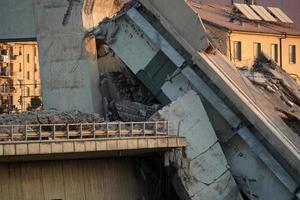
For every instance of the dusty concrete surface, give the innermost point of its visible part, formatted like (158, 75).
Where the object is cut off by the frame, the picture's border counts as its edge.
(207, 170)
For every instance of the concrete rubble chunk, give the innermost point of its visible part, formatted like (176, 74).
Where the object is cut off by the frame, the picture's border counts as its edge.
(49, 117)
(279, 87)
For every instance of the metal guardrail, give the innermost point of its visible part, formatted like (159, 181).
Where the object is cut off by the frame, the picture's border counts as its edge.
(42, 132)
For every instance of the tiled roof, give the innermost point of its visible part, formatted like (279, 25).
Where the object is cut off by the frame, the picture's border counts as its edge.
(220, 15)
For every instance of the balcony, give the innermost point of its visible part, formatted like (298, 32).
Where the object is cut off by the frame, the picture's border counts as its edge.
(5, 72)
(7, 89)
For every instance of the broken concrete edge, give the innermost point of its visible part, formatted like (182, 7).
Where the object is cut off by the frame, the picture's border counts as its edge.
(203, 163)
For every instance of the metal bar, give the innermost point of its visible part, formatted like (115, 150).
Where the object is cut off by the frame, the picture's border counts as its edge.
(107, 130)
(94, 130)
(119, 126)
(26, 132)
(54, 129)
(80, 131)
(115, 128)
(12, 133)
(68, 131)
(40, 132)
(167, 127)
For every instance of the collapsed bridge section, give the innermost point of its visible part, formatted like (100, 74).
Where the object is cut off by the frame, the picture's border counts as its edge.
(156, 46)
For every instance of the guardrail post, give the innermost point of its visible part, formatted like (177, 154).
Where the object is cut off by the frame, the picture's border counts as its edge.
(178, 130)
(26, 132)
(12, 132)
(54, 130)
(94, 130)
(167, 127)
(107, 129)
(80, 131)
(144, 129)
(119, 126)
(40, 132)
(68, 131)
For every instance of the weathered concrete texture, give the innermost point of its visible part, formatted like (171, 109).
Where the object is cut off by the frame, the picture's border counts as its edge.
(100, 10)
(17, 20)
(209, 177)
(193, 32)
(71, 180)
(261, 182)
(69, 73)
(151, 144)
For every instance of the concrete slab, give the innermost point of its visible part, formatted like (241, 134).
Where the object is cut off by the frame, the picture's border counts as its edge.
(101, 145)
(21, 149)
(68, 147)
(79, 147)
(57, 147)
(45, 148)
(90, 145)
(9, 149)
(207, 163)
(34, 148)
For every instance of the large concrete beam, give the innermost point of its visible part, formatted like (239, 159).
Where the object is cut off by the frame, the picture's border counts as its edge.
(208, 176)
(69, 72)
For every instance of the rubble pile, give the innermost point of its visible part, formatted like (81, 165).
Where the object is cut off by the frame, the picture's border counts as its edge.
(49, 117)
(125, 98)
(279, 87)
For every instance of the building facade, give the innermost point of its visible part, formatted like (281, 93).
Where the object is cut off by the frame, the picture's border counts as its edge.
(20, 77)
(242, 40)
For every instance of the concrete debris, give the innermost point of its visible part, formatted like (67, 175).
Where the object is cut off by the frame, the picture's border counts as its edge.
(280, 88)
(134, 111)
(49, 117)
(125, 98)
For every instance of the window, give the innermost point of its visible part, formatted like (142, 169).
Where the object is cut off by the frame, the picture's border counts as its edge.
(34, 51)
(256, 49)
(238, 51)
(274, 52)
(20, 51)
(292, 54)
(35, 84)
(28, 75)
(27, 58)
(20, 67)
(35, 67)
(28, 91)
(11, 51)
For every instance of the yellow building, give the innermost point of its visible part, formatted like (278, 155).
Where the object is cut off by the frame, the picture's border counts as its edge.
(20, 76)
(241, 39)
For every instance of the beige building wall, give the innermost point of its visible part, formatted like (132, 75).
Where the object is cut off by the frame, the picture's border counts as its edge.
(25, 73)
(248, 51)
(290, 67)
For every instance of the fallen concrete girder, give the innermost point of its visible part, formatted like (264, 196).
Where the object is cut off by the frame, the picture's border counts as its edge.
(205, 173)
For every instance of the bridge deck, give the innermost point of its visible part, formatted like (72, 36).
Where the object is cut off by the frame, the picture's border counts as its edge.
(17, 142)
